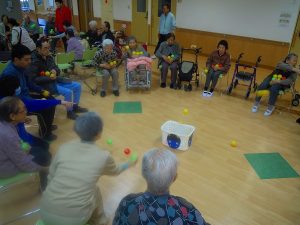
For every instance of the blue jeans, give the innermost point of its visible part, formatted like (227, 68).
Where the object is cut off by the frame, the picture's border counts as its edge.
(71, 91)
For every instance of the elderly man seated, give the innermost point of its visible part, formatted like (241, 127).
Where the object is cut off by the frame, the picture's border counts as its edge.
(157, 205)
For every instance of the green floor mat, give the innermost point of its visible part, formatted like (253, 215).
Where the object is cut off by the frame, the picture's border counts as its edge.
(270, 165)
(127, 107)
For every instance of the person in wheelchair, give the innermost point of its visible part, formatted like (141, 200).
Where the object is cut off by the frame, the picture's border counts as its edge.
(168, 54)
(218, 63)
(288, 73)
(106, 60)
(138, 61)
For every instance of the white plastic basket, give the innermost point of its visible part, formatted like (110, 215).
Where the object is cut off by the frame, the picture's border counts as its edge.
(177, 135)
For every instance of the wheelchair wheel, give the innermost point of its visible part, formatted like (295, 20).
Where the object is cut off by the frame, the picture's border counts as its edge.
(229, 89)
(178, 85)
(236, 82)
(186, 87)
(297, 96)
(295, 102)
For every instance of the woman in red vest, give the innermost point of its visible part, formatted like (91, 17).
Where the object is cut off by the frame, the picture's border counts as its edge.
(62, 14)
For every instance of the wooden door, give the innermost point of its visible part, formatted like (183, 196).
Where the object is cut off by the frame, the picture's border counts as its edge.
(139, 25)
(156, 11)
(85, 13)
(107, 12)
(295, 45)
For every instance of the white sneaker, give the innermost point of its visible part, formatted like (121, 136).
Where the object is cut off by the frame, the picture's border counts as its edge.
(204, 93)
(254, 108)
(269, 111)
(153, 57)
(209, 94)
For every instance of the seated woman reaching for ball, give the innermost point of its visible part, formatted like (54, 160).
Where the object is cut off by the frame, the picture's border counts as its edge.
(281, 78)
(72, 196)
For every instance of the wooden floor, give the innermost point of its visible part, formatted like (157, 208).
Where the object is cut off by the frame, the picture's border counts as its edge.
(212, 175)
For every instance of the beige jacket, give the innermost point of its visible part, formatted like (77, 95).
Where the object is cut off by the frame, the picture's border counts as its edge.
(73, 176)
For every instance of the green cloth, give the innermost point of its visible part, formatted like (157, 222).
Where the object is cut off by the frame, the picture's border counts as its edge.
(270, 165)
(127, 107)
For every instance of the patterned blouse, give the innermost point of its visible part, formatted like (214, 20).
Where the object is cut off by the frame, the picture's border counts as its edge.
(103, 57)
(148, 209)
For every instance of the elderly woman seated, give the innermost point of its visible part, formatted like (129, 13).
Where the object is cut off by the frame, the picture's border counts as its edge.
(72, 196)
(157, 205)
(169, 54)
(15, 155)
(106, 60)
(284, 75)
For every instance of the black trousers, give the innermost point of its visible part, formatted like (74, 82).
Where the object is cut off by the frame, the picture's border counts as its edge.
(162, 38)
(45, 118)
(41, 155)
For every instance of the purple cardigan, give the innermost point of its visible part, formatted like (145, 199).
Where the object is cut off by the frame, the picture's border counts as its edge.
(75, 46)
(12, 159)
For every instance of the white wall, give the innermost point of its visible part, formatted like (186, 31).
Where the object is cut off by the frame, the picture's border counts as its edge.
(122, 10)
(97, 8)
(250, 18)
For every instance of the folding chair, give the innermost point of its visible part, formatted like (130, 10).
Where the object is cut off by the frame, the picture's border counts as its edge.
(41, 222)
(2, 66)
(8, 183)
(64, 60)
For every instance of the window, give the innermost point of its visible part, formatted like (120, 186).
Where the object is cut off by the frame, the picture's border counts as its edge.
(51, 3)
(141, 5)
(160, 6)
(25, 5)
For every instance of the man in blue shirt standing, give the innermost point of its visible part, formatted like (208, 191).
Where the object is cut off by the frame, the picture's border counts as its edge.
(167, 25)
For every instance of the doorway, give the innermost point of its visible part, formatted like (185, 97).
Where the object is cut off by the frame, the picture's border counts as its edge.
(85, 13)
(156, 11)
(295, 45)
(140, 20)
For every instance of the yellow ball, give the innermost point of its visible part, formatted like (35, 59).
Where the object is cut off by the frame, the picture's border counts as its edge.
(233, 143)
(134, 52)
(205, 70)
(115, 62)
(47, 73)
(262, 93)
(185, 111)
(126, 47)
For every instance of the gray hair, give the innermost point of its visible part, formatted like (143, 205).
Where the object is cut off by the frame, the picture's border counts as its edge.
(93, 23)
(107, 42)
(159, 168)
(8, 105)
(290, 55)
(88, 126)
